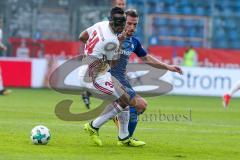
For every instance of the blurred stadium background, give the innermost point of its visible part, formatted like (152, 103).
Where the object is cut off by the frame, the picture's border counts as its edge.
(180, 23)
(41, 34)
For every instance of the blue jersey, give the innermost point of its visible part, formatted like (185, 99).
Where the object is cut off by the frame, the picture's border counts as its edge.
(129, 46)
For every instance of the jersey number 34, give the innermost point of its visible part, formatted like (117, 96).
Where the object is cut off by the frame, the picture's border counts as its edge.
(92, 42)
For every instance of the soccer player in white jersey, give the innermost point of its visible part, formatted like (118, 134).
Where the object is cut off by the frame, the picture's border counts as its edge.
(227, 96)
(86, 95)
(102, 42)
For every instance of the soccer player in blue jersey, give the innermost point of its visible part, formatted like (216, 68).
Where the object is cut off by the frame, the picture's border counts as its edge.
(131, 45)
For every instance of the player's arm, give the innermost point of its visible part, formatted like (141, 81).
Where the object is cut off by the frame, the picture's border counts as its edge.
(84, 36)
(154, 62)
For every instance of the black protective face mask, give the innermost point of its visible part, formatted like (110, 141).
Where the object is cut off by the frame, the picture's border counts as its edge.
(118, 21)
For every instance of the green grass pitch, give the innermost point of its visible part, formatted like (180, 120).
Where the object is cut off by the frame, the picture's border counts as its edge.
(201, 129)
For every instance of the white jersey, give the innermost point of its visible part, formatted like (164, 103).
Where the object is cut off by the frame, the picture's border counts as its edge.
(101, 46)
(102, 42)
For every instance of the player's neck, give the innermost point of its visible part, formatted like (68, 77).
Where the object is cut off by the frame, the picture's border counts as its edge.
(111, 29)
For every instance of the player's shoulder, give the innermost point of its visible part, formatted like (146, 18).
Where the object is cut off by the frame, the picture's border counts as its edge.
(135, 40)
(99, 24)
(102, 23)
(139, 50)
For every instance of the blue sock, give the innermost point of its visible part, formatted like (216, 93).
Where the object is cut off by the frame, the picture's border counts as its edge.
(132, 121)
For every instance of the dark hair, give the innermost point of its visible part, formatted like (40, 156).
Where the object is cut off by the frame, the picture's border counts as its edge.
(131, 12)
(116, 10)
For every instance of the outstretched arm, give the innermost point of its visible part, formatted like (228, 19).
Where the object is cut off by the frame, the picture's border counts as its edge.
(154, 62)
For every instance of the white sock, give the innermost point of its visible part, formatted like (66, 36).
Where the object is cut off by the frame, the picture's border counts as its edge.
(235, 88)
(123, 118)
(1, 81)
(111, 111)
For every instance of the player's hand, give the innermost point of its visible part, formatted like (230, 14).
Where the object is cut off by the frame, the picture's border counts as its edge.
(122, 36)
(174, 68)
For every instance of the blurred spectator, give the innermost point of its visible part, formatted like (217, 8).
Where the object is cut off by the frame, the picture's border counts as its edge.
(3, 91)
(120, 4)
(22, 50)
(2, 46)
(52, 65)
(190, 57)
(176, 60)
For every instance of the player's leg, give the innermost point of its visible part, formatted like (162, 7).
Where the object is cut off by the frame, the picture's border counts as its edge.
(92, 128)
(83, 75)
(124, 139)
(134, 113)
(232, 91)
(116, 122)
(235, 88)
(110, 112)
(105, 85)
(123, 119)
(86, 99)
(128, 121)
(141, 106)
(1, 82)
(133, 121)
(3, 91)
(109, 85)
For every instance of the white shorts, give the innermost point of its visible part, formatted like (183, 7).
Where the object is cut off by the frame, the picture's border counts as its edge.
(104, 86)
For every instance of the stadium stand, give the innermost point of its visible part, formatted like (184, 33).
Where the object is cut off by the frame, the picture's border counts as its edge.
(193, 21)
(167, 22)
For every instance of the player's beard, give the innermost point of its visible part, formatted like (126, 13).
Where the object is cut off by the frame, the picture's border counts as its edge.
(130, 32)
